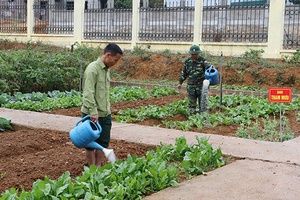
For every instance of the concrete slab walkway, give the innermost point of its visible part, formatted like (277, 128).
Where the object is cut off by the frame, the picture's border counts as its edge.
(268, 170)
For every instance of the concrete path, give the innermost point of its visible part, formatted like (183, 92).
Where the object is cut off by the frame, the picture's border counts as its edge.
(268, 171)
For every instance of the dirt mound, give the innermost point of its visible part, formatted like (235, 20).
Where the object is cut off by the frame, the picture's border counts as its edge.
(168, 67)
(153, 67)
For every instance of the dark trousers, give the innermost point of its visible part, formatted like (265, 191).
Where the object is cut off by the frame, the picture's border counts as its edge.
(194, 96)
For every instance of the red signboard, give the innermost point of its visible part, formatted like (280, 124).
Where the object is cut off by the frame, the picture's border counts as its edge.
(280, 95)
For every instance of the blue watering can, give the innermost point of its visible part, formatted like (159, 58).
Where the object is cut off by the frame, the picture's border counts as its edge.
(84, 134)
(212, 75)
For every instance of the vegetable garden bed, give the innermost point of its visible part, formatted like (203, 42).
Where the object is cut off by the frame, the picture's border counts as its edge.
(30, 154)
(240, 115)
(45, 164)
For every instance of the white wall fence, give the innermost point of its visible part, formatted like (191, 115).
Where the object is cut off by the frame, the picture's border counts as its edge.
(273, 46)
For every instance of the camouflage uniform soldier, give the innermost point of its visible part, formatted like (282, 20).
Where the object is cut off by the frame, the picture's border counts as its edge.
(194, 69)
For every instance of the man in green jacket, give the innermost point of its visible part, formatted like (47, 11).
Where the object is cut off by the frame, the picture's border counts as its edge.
(96, 88)
(194, 70)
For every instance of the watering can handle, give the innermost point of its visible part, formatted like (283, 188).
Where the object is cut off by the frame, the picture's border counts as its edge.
(87, 117)
(83, 119)
(210, 68)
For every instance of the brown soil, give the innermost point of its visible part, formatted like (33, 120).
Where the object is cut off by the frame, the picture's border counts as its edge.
(27, 155)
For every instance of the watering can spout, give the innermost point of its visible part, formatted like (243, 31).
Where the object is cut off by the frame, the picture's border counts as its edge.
(94, 145)
(109, 153)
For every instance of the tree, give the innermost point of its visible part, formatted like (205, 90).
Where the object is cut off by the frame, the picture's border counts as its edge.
(295, 1)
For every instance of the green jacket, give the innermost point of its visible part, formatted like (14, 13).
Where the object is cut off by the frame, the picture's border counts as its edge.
(96, 88)
(194, 71)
